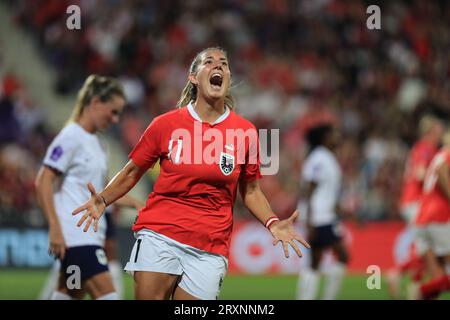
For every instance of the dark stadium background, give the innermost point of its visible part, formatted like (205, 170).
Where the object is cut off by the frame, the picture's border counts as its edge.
(294, 63)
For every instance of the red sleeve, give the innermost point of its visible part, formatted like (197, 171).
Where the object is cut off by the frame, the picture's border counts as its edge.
(148, 149)
(251, 169)
(423, 156)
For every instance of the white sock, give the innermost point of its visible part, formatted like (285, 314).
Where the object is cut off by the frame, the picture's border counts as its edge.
(51, 283)
(116, 271)
(109, 296)
(308, 284)
(60, 296)
(334, 276)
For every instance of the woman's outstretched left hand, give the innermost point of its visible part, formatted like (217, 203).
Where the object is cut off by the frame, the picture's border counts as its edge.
(284, 231)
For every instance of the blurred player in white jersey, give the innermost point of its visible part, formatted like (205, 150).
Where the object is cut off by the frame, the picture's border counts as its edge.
(76, 158)
(321, 177)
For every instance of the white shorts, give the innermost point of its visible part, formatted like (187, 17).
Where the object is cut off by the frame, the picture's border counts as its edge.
(201, 272)
(435, 237)
(409, 212)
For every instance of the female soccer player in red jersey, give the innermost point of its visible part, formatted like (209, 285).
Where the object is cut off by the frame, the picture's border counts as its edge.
(433, 226)
(183, 233)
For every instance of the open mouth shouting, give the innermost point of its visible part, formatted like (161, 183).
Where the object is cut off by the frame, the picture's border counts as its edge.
(216, 80)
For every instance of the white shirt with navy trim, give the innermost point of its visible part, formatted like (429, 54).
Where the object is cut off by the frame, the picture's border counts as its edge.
(80, 158)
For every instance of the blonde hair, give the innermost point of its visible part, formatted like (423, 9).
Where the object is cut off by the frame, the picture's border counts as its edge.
(446, 138)
(95, 86)
(426, 123)
(189, 92)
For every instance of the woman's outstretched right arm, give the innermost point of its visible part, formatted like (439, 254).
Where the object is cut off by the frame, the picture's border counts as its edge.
(120, 185)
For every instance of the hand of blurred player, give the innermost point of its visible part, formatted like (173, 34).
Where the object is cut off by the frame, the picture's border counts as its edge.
(284, 231)
(57, 245)
(94, 209)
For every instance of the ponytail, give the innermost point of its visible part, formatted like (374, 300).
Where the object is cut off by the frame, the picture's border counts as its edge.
(95, 86)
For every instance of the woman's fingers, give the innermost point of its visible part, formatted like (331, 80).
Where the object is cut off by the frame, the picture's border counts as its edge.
(83, 218)
(62, 252)
(91, 216)
(78, 210)
(285, 249)
(296, 248)
(294, 216)
(57, 250)
(302, 241)
(52, 250)
(95, 225)
(92, 189)
(86, 227)
(86, 205)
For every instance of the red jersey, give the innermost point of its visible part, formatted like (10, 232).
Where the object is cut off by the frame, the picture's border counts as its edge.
(420, 156)
(435, 207)
(201, 165)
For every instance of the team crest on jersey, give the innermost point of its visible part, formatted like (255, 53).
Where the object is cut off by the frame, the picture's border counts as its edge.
(226, 163)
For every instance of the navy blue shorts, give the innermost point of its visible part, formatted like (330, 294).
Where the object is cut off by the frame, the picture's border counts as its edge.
(111, 229)
(90, 259)
(326, 236)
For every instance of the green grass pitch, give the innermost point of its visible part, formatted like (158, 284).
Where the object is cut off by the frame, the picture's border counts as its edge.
(26, 284)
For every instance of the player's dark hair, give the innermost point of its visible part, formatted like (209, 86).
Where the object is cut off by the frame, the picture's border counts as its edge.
(316, 136)
(189, 92)
(96, 86)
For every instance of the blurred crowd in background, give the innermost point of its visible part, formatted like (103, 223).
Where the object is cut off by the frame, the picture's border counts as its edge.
(24, 138)
(295, 64)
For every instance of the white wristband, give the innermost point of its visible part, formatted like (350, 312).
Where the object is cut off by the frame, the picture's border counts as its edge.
(270, 221)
